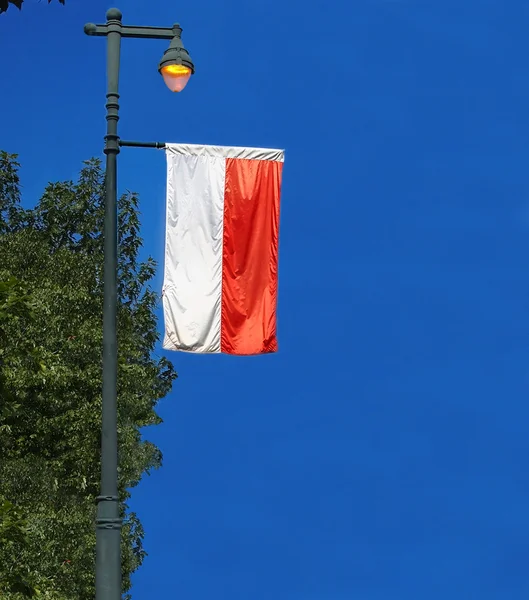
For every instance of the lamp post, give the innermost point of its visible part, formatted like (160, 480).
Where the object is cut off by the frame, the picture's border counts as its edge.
(176, 68)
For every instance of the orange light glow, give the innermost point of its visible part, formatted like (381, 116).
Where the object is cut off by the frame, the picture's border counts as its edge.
(176, 77)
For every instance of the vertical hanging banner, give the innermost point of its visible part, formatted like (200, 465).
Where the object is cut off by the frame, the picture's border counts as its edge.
(221, 249)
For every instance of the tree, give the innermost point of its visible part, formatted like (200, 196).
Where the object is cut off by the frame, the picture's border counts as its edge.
(17, 577)
(51, 264)
(4, 4)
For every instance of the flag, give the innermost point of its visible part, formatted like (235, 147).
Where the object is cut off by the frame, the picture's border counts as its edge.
(221, 249)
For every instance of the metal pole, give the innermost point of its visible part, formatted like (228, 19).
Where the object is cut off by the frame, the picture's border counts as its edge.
(108, 521)
(133, 144)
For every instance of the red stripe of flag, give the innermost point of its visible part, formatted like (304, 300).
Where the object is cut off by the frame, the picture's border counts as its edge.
(250, 256)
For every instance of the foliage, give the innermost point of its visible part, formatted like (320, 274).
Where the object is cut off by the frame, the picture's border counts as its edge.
(51, 299)
(4, 4)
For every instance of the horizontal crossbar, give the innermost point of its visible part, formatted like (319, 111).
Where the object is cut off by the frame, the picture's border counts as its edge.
(142, 144)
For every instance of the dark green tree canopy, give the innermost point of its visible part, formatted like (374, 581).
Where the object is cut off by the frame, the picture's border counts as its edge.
(51, 299)
(4, 4)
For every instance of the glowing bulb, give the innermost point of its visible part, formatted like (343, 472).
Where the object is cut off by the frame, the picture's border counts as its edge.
(176, 77)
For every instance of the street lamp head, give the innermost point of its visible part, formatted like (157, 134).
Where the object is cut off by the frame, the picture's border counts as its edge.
(176, 66)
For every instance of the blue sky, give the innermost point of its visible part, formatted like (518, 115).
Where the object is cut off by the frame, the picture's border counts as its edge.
(382, 454)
